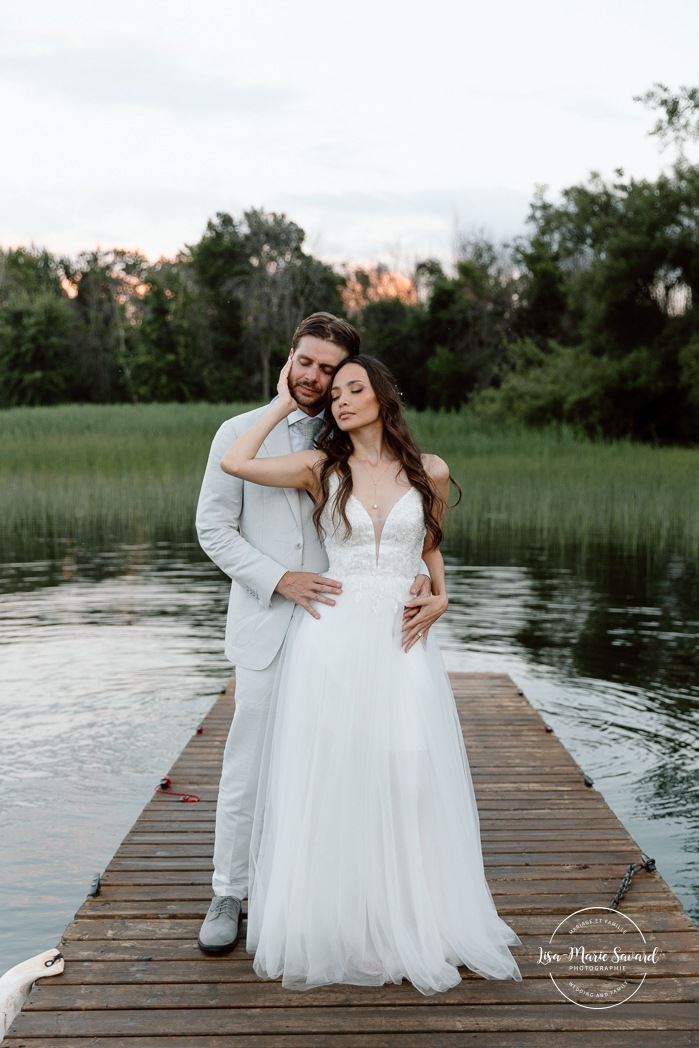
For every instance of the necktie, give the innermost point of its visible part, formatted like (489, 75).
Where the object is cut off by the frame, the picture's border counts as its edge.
(309, 429)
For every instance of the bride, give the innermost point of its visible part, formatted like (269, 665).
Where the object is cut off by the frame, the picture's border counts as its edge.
(365, 863)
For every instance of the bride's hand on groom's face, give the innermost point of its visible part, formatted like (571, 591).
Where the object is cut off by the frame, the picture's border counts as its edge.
(284, 392)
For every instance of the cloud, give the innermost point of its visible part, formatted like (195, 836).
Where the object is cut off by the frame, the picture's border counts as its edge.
(126, 70)
(67, 219)
(419, 223)
(598, 109)
(398, 228)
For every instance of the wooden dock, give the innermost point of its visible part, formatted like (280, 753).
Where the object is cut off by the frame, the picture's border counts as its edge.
(134, 975)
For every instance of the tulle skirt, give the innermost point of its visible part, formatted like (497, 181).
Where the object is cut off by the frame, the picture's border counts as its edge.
(366, 863)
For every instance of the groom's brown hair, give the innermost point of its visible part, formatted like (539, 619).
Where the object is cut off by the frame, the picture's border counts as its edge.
(330, 328)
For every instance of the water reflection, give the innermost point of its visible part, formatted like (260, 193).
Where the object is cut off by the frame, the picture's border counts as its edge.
(109, 660)
(110, 656)
(606, 647)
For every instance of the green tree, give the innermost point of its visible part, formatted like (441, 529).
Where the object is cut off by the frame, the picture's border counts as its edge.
(609, 293)
(172, 356)
(545, 310)
(219, 262)
(678, 119)
(393, 331)
(468, 322)
(37, 363)
(689, 374)
(281, 286)
(105, 283)
(29, 271)
(260, 284)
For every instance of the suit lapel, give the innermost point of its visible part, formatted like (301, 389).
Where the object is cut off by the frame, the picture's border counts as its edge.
(278, 443)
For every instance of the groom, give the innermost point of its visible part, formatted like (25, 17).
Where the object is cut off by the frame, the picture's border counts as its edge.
(263, 538)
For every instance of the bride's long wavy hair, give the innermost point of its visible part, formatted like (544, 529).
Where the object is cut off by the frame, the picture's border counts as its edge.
(338, 447)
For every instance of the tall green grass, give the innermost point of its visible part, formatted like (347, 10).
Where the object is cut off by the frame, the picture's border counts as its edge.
(132, 473)
(90, 473)
(557, 487)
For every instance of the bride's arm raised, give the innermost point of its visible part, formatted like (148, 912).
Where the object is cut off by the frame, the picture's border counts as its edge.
(296, 470)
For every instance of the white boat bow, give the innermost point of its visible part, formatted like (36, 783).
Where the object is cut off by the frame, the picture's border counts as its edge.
(18, 981)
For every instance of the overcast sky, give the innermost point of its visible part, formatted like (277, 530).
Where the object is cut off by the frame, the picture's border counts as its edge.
(376, 125)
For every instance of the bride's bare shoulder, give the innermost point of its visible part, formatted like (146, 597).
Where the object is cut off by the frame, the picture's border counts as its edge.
(435, 467)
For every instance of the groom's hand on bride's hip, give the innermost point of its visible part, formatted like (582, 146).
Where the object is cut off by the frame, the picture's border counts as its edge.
(304, 586)
(422, 587)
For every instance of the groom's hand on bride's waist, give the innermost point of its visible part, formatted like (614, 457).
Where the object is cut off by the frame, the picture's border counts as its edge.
(304, 586)
(421, 587)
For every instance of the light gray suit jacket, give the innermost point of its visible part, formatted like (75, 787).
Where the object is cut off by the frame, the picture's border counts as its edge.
(255, 534)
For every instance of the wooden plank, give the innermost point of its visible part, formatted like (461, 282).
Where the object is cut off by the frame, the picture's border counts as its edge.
(560, 904)
(674, 943)
(535, 923)
(196, 968)
(588, 1039)
(379, 1039)
(499, 886)
(253, 993)
(134, 976)
(537, 872)
(164, 1022)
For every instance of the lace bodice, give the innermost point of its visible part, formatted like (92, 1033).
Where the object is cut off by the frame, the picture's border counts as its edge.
(383, 563)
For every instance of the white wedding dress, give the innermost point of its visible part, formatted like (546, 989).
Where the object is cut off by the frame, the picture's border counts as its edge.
(366, 862)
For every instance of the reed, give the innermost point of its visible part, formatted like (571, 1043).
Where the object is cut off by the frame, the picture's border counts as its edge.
(130, 473)
(556, 487)
(97, 474)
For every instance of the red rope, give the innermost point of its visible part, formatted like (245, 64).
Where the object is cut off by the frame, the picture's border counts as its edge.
(186, 798)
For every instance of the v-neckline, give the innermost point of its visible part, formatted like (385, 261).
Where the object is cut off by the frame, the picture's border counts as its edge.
(378, 538)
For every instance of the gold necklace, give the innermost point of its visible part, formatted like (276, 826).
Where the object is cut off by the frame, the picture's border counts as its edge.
(375, 504)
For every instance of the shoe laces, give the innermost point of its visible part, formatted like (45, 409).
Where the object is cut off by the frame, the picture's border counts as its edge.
(228, 905)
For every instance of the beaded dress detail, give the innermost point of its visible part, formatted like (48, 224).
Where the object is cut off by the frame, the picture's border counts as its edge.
(377, 564)
(366, 863)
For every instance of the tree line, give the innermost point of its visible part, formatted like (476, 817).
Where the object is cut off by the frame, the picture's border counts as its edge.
(591, 318)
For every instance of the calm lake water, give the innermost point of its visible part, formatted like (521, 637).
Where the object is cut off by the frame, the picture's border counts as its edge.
(110, 660)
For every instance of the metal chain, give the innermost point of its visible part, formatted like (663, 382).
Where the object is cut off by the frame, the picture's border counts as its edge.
(646, 863)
